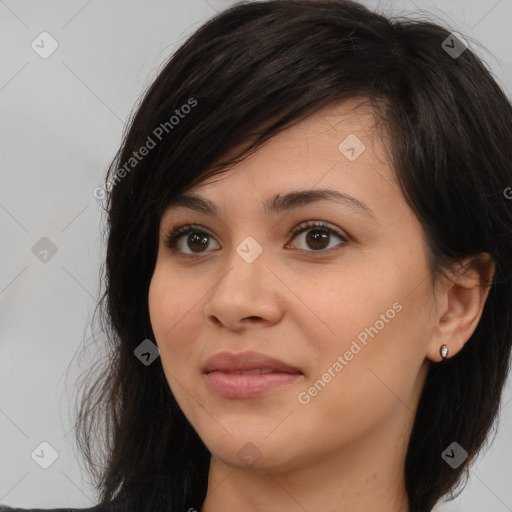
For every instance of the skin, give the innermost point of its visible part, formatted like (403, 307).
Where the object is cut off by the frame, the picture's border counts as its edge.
(344, 450)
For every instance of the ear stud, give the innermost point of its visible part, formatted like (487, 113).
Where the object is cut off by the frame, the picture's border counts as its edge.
(443, 351)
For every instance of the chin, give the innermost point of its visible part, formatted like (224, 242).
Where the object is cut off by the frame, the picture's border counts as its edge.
(243, 451)
(248, 456)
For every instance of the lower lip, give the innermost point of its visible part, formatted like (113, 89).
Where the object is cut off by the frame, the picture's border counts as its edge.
(232, 385)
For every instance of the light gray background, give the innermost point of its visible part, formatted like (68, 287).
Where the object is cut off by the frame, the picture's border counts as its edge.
(61, 123)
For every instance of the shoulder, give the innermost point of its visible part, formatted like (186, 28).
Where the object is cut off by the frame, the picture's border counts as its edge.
(118, 504)
(102, 507)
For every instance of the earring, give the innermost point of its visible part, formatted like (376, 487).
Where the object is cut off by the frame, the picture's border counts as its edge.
(443, 351)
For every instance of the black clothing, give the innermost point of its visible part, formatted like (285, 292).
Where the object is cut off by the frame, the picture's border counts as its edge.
(102, 507)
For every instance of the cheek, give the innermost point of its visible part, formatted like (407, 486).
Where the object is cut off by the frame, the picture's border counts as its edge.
(171, 312)
(365, 374)
(374, 322)
(344, 304)
(158, 304)
(171, 315)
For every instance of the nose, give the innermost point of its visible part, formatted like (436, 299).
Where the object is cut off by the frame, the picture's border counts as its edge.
(248, 294)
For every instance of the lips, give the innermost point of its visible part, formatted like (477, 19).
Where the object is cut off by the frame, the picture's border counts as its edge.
(247, 363)
(262, 371)
(248, 375)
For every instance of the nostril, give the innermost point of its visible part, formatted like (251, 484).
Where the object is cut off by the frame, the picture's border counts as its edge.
(253, 318)
(214, 320)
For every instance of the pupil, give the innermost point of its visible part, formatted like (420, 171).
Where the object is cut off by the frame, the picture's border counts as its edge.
(197, 239)
(317, 238)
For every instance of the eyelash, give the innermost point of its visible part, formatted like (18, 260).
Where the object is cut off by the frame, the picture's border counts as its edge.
(174, 235)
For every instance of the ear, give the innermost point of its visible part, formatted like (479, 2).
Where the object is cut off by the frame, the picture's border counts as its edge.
(460, 298)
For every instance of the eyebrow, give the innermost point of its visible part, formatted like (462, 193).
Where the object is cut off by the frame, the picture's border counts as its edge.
(276, 204)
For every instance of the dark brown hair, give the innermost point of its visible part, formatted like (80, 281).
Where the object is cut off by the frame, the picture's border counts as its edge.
(247, 74)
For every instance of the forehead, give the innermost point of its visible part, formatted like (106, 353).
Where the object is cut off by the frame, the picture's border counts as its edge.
(330, 155)
(320, 134)
(345, 135)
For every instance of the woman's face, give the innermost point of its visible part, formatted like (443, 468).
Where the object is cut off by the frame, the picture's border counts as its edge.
(347, 305)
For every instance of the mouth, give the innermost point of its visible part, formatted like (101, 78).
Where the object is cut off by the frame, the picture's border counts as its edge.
(248, 384)
(248, 374)
(261, 371)
(247, 361)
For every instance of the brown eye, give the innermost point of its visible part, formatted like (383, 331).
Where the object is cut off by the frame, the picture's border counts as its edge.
(196, 239)
(317, 236)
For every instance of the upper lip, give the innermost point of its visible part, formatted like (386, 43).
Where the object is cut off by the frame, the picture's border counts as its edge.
(244, 361)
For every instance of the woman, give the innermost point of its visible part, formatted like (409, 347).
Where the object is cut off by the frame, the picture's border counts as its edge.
(308, 295)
